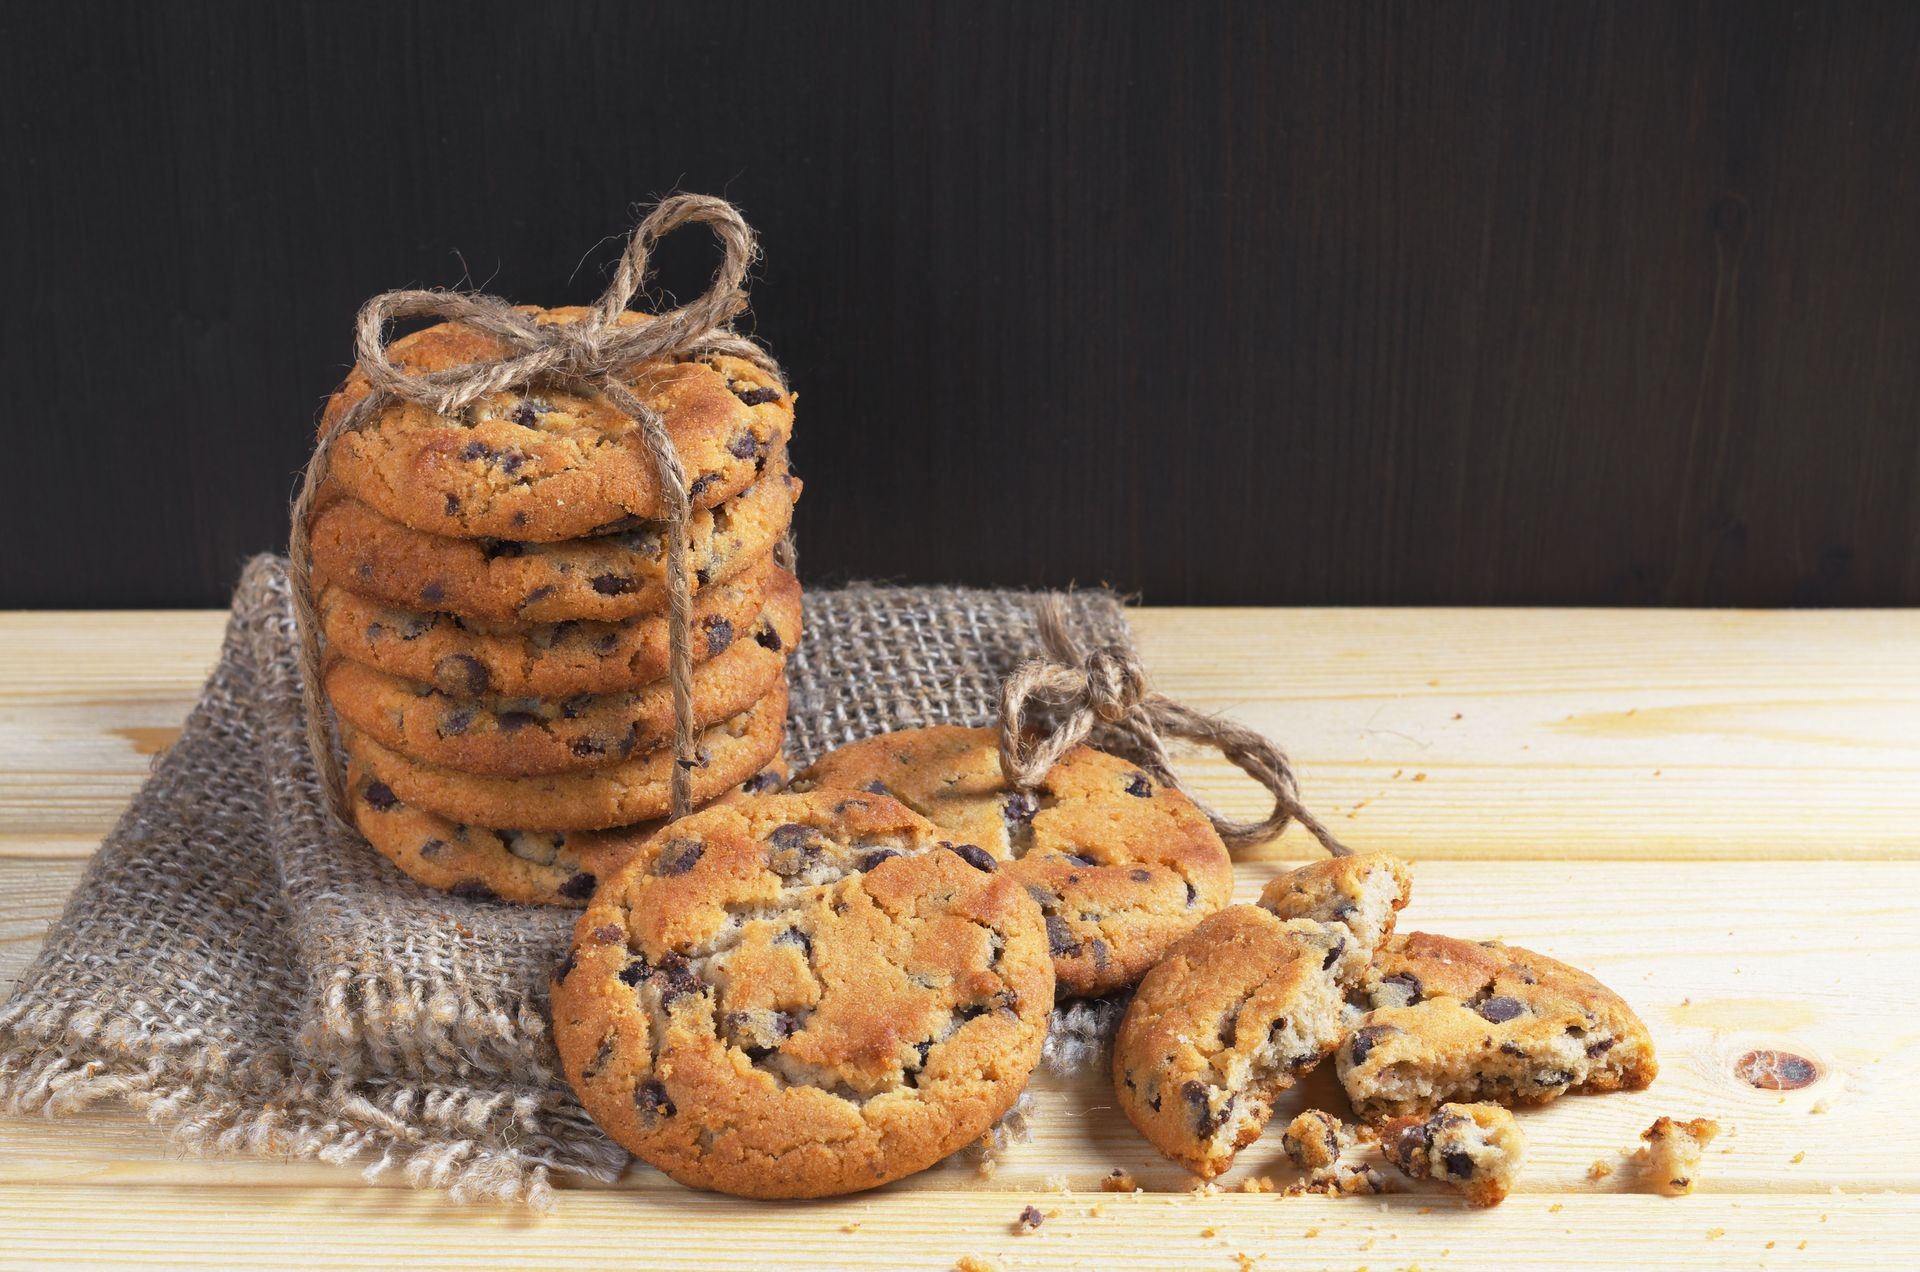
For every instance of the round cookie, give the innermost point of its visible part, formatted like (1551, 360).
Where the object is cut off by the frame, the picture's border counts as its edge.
(608, 576)
(802, 995)
(1474, 1021)
(1121, 865)
(549, 462)
(542, 660)
(618, 795)
(1238, 1010)
(522, 737)
(530, 867)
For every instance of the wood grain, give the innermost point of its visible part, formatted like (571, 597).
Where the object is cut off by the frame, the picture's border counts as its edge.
(1727, 934)
(1277, 304)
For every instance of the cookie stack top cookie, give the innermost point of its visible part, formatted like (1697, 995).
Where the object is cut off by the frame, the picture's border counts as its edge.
(494, 585)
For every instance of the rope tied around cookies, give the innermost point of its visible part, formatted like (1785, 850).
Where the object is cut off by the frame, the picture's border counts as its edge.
(1079, 689)
(592, 354)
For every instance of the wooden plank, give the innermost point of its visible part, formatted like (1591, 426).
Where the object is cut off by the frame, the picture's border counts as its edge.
(213, 1226)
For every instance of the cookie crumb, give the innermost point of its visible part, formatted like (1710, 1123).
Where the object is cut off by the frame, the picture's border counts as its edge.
(1058, 1183)
(1599, 1170)
(1208, 1232)
(1819, 1106)
(1714, 1234)
(978, 1263)
(1671, 1157)
(1029, 1220)
(1118, 1181)
(1799, 1157)
(1312, 1140)
(850, 1227)
(1257, 1184)
(1555, 1208)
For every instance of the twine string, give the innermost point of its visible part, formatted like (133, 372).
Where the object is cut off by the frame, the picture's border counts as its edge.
(595, 353)
(1078, 689)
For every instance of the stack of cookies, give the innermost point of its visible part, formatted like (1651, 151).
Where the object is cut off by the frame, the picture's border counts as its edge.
(493, 590)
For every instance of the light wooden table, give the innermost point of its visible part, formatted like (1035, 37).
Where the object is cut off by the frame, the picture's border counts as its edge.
(1717, 813)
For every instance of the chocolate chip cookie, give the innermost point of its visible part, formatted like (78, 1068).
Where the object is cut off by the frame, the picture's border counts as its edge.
(521, 737)
(802, 995)
(606, 576)
(467, 656)
(1121, 865)
(1460, 1020)
(1474, 1149)
(1245, 1004)
(530, 867)
(618, 795)
(551, 462)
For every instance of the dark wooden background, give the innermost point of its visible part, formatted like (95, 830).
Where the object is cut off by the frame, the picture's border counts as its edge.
(1244, 303)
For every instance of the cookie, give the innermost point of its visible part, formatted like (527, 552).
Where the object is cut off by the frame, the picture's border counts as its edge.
(618, 795)
(541, 660)
(520, 737)
(1473, 1149)
(608, 576)
(802, 995)
(1121, 865)
(1459, 1020)
(1240, 1008)
(1672, 1152)
(1313, 1140)
(548, 462)
(529, 867)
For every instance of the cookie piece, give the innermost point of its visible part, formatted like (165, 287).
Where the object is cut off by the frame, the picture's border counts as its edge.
(608, 576)
(1671, 1156)
(802, 995)
(529, 867)
(1121, 865)
(1473, 1149)
(1238, 1010)
(550, 462)
(542, 660)
(522, 737)
(1460, 1020)
(632, 791)
(1313, 1140)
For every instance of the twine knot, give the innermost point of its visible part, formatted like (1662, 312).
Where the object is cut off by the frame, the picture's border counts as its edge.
(1051, 704)
(592, 354)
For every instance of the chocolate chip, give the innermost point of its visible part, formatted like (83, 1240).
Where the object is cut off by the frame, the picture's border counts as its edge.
(512, 461)
(761, 782)
(455, 722)
(1501, 1008)
(975, 856)
(636, 971)
(698, 486)
(433, 848)
(767, 638)
(1600, 1046)
(1098, 948)
(1060, 940)
(792, 836)
(877, 787)
(743, 446)
(674, 979)
(1139, 787)
(1031, 1218)
(873, 859)
(651, 1098)
(511, 722)
(794, 936)
(1365, 1039)
(579, 887)
(1140, 876)
(526, 413)
(678, 857)
(538, 594)
(453, 505)
(1513, 1049)
(461, 675)
(613, 584)
(433, 593)
(719, 635)
(1333, 955)
(573, 708)
(380, 797)
(1018, 808)
(1193, 894)
(757, 397)
(473, 890)
(1408, 984)
(1205, 1120)
(608, 933)
(702, 577)
(561, 972)
(1079, 859)
(587, 748)
(1459, 1165)
(475, 450)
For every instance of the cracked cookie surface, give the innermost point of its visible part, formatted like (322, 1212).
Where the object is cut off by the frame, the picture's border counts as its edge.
(1474, 1149)
(527, 867)
(604, 577)
(1483, 1021)
(1121, 865)
(551, 462)
(1244, 1005)
(527, 736)
(802, 995)
(544, 660)
(620, 794)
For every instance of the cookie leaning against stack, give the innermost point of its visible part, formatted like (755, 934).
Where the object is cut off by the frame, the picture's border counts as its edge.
(493, 590)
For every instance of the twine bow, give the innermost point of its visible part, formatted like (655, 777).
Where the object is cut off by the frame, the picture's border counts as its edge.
(592, 355)
(1081, 689)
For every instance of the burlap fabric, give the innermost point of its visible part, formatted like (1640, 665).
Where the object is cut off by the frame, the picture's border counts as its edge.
(257, 979)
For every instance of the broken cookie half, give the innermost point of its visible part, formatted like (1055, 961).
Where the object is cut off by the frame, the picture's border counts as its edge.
(1246, 1003)
(1472, 1148)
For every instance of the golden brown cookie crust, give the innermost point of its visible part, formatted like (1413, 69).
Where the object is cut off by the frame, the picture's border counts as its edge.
(528, 867)
(633, 791)
(606, 577)
(1483, 1021)
(802, 995)
(521, 737)
(1122, 865)
(550, 462)
(541, 660)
